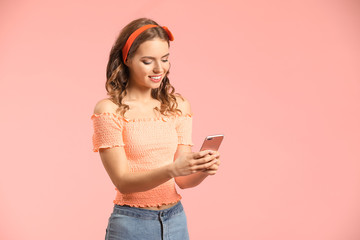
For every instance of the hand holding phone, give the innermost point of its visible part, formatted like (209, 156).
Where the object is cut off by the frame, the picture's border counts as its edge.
(212, 142)
(200, 161)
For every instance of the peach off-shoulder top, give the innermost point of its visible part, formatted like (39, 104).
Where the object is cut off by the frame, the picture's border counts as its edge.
(148, 143)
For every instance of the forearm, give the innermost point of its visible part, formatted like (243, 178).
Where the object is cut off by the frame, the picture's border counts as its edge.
(192, 180)
(143, 181)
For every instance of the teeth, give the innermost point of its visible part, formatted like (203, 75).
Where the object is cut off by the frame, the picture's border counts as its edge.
(156, 77)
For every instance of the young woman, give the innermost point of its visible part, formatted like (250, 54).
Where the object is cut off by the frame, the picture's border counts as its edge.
(143, 135)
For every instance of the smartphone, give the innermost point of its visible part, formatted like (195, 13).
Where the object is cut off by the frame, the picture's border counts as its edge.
(212, 142)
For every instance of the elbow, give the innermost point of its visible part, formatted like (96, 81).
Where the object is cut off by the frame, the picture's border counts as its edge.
(122, 189)
(185, 186)
(181, 184)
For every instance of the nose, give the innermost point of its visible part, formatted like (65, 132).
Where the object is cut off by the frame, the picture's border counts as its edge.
(157, 67)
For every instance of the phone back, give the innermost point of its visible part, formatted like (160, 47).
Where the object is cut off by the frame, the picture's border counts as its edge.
(212, 142)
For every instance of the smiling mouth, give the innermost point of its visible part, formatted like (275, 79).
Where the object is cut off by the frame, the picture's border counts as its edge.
(155, 78)
(156, 75)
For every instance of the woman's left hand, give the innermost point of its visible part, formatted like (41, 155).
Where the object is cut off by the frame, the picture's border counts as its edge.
(213, 168)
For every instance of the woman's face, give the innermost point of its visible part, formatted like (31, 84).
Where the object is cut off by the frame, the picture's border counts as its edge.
(150, 64)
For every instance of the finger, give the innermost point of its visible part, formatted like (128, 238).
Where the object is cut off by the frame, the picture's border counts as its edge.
(201, 167)
(202, 153)
(218, 163)
(214, 152)
(205, 160)
(205, 165)
(211, 172)
(213, 167)
(202, 160)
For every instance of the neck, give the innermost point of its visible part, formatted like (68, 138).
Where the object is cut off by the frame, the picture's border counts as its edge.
(139, 94)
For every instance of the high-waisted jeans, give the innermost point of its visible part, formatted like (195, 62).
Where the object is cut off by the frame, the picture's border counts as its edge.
(129, 223)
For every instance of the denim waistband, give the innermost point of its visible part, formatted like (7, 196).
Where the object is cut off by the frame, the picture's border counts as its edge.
(148, 213)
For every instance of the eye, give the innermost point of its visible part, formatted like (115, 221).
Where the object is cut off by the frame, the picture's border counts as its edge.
(147, 63)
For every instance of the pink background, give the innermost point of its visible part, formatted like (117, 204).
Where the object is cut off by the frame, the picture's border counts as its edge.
(280, 79)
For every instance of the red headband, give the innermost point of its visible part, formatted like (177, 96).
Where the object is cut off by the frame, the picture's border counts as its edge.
(134, 35)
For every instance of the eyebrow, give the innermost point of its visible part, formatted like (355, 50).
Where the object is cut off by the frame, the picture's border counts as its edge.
(154, 58)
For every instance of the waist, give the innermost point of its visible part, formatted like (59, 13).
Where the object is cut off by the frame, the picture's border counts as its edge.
(160, 197)
(162, 207)
(148, 213)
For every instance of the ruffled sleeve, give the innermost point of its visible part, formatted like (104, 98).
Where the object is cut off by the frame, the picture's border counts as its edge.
(107, 131)
(184, 129)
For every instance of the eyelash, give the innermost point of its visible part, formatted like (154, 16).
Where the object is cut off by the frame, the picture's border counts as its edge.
(147, 63)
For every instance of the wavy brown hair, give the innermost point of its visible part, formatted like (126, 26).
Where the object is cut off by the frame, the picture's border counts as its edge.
(117, 73)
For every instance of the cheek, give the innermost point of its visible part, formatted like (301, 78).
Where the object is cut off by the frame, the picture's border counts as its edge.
(143, 70)
(166, 66)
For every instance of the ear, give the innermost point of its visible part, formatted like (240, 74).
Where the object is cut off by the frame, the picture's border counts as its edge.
(127, 62)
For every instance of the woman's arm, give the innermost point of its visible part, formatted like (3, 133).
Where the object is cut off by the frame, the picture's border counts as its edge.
(191, 180)
(115, 163)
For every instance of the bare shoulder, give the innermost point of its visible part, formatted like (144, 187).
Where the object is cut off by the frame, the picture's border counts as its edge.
(105, 105)
(184, 105)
